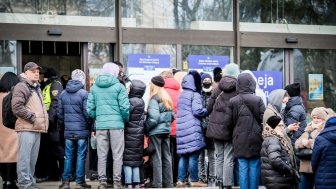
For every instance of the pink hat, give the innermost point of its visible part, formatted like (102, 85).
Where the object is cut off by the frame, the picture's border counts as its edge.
(111, 68)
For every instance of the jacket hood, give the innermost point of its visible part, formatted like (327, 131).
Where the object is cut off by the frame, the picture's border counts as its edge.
(188, 82)
(106, 80)
(23, 77)
(137, 89)
(275, 98)
(171, 83)
(74, 86)
(246, 84)
(253, 76)
(329, 131)
(295, 100)
(228, 84)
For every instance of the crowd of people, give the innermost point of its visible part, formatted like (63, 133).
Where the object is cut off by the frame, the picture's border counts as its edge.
(196, 130)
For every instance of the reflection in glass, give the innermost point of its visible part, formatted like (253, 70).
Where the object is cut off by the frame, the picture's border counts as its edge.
(75, 12)
(292, 12)
(98, 54)
(7, 56)
(319, 62)
(179, 14)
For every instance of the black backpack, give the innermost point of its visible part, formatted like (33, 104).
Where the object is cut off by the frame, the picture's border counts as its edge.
(8, 118)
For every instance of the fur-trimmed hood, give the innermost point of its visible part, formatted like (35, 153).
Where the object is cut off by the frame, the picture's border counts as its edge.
(192, 81)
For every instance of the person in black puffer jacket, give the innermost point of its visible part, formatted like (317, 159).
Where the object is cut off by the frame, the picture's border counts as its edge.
(134, 134)
(277, 158)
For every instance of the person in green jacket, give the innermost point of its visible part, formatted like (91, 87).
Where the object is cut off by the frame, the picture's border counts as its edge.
(108, 104)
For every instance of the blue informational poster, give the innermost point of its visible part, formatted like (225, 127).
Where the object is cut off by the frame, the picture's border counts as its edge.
(315, 86)
(268, 80)
(145, 66)
(206, 63)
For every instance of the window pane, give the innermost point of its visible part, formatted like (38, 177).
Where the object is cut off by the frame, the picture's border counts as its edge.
(8, 56)
(75, 12)
(320, 62)
(178, 14)
(98, 54)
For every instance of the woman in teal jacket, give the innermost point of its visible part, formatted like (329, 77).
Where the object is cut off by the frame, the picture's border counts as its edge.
(108, 104)
(159, 117)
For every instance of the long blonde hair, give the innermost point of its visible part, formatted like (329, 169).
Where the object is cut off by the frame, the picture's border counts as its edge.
(162, 94)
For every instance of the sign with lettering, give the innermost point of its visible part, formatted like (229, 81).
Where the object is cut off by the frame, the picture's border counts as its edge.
(206, 63)
(145, 66)
(268, 80)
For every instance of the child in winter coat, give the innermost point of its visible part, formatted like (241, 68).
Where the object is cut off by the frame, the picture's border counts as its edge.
(277, 158)
(134, 135)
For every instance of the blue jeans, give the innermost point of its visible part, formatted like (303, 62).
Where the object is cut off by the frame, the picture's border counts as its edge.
(306, 181)
(69, 156)
(249, 173)
(188, 161)
(132, 175)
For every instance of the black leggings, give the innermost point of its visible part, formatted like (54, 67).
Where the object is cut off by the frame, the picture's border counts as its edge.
(8, 171)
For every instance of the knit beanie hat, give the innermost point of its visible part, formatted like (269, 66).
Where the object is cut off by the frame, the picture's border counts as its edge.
(231, 69)
(293, 89)
(111, 68)
(320, 112)
(158, 81)
(204, 76)
(273, 121)
(50, 72)
(78, 75)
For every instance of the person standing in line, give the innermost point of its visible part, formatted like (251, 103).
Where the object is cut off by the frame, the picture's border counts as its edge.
(72, 114)
(306, 140)
(32, 120)
(8, 137)
(217, 74)
(173, 89)
(324, 155)
(189, 135)
(277, 157)
(219, 131)
(295, 112)
(159, 117)
(108, 105)
(134, 135)
(55, 140)
(245, 115)
(207, 176)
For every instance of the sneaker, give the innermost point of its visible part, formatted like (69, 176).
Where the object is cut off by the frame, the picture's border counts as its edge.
(117, 185)
(102, 185)
(198, 184)
(83, 185)
(137, 186)
(180, 184)
(212, 182)
(64, 185)
(128, 186)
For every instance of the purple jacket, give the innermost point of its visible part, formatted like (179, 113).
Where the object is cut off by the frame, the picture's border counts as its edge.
(189, 135)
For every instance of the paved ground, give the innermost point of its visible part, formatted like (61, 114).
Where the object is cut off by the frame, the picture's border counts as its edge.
(54, 185)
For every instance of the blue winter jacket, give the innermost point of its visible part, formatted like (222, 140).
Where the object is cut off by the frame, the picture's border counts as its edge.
(189, 134)
(72, 111)
(324, 156)
(295, 112)
(108, 103)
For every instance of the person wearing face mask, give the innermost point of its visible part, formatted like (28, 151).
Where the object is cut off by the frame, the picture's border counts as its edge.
(307, 141)
(209, 178)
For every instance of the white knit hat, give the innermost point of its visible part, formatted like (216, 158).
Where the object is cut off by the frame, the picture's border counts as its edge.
(78, 75)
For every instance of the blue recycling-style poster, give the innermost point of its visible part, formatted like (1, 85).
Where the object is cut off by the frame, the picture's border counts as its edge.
(315, 86)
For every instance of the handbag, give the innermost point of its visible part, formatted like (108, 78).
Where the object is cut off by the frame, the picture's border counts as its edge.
(304, 153)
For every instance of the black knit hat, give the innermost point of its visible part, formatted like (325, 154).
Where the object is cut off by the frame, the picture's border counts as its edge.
(50, 72)
(158, 81)
(273, 121)
(293, 89)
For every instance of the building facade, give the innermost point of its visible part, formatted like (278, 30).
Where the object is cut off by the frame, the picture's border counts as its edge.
(296, 38)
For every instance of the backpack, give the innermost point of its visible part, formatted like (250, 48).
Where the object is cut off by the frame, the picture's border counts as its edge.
(8, 118)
